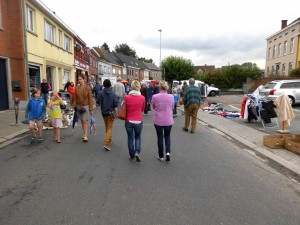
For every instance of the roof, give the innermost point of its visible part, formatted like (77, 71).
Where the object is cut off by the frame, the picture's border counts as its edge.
(151, 66)
(287, 27)
(101, 54)
(113, 59)
(130, 61)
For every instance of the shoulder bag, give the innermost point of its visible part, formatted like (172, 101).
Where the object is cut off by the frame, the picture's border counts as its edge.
(122, 112)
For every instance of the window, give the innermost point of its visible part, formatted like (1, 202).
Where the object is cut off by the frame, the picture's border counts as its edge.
(108, 70)
(274, 51)
(268, 70)
(283, 69)
(67, 43)
(269, 53)
(277, 69)
(104, 69)
(59, 38)
(29, 19)
(279, 50)
(290, 66)
(49, 32)
(285, 48)
(66, 77)
(114, 71)
(91, 60)
(292, 45)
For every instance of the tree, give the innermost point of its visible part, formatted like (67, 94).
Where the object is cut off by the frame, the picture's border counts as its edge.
(295, 72)
(177, 68)
(105, 46)
(125, 49)
(143, 59)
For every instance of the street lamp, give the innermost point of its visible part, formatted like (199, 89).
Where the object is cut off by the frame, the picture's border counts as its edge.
(159, 48)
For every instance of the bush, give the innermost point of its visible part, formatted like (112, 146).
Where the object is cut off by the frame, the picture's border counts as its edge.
(295, 72)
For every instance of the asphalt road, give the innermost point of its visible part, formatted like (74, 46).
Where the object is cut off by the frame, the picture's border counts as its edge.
(210, 180)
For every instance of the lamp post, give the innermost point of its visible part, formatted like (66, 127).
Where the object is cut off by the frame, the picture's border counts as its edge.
(160, 30)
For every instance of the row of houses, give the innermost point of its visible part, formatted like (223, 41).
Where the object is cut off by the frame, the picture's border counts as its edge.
(283, 49)
(36, 44)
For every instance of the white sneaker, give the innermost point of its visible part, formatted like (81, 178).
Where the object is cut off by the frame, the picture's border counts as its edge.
(160, 159)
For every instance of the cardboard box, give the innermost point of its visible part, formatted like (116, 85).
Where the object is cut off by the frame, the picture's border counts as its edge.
(274, 141)
(65, 123)
(293, 145)
(278, 140)
(47, 124)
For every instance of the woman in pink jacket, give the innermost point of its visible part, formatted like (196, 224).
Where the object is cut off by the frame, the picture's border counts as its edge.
(135, 104)
(163, 104)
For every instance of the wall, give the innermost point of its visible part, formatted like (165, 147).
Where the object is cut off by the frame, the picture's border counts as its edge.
(12, 46)
(44, 53)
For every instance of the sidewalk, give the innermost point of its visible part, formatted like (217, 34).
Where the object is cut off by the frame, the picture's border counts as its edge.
(9, 129)
(252, 138)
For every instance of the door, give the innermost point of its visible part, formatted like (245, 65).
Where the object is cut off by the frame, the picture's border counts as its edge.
(4, 105)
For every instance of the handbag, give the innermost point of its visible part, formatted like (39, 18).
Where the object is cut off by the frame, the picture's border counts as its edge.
(122, 112)
(81, 110)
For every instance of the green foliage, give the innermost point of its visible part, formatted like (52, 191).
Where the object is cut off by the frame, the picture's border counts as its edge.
(295, 72)
(232, 76)
(105, 46)
(177, 68)
(125, 49)
(143, 59)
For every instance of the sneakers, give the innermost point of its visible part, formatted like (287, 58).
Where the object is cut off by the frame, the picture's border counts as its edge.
(85, 139)
(160, 159)
(106, 147)
(32, 140)
(168, 157)
(185, 129)
(137, 157)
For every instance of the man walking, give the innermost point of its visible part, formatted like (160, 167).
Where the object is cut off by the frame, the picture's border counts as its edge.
(108, 104)
(191, 101)
(119, 91)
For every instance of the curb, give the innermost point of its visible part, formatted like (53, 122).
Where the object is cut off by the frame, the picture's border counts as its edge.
(9, 139)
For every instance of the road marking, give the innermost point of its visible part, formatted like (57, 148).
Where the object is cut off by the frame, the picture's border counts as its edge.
(235, 107)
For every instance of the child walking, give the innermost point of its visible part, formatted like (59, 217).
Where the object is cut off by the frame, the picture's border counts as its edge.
(35, 111)
(55, 115)
(176, 99)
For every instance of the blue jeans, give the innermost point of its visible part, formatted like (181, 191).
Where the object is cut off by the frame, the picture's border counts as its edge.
(175, 109)
(163, 132)
(120, 99)
(134, 132)
(45, 97)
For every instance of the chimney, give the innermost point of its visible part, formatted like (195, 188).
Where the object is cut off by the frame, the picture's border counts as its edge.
(283, 24)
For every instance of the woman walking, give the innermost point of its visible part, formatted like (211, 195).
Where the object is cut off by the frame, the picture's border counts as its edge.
(83, 105)
(163, 104)
(135, 105)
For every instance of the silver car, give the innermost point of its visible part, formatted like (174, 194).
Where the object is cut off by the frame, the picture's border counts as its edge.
(275, 88)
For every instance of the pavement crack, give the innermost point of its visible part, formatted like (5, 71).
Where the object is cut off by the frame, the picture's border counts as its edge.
(82, 175)
(12, 157)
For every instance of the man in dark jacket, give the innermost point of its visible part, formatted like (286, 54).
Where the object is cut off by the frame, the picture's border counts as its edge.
(109, 106)
(45, 88)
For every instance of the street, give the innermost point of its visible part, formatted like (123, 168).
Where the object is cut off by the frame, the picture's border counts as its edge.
(210, 180)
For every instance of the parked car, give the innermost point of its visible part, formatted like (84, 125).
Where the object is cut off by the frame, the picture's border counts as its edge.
(276, 88)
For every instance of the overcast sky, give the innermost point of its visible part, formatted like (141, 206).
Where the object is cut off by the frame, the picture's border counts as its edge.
(212, 32)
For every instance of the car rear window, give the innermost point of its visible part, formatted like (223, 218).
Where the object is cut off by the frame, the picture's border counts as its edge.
(269, 85)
